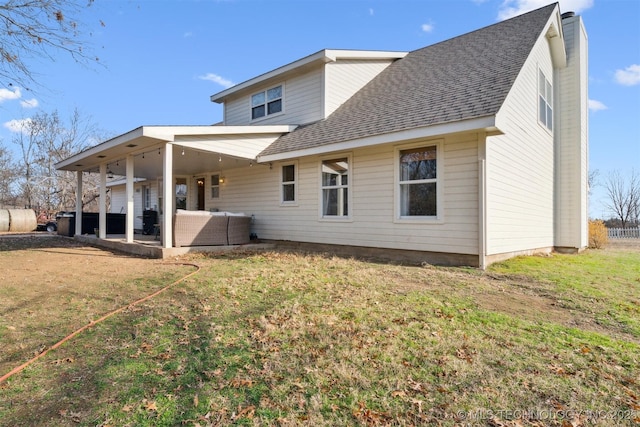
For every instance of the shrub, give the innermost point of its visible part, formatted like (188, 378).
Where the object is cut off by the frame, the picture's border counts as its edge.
(598, 237)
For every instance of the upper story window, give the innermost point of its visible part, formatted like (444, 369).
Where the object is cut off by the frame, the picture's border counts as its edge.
(418, 181)
(288, 184)
(266, 102)
(545, 101)
(335, 187)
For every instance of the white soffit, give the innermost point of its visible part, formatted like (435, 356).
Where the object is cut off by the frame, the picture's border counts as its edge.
(247, 147)
(251, 138)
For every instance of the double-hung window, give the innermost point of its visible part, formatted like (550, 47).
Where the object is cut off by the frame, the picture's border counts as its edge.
(418, 182)
(335, 187)
(266, 102)
(545, 101)
(215, 186)
(288, 184)
(181, 193)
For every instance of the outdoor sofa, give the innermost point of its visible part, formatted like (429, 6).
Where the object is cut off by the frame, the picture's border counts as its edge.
(202, 228)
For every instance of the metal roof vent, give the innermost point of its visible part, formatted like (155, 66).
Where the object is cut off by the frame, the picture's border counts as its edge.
(568, 15)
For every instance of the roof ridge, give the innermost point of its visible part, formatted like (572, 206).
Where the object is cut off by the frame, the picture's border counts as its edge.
(521, 16)
(465, 77)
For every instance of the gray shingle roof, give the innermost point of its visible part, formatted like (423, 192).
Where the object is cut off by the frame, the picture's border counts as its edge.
(461, 78)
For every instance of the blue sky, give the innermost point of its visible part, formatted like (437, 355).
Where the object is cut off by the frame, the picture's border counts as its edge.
(161, 60)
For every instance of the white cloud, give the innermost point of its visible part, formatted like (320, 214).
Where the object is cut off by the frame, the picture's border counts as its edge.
(427, 28)
(17, 126)
(510, 8)
(225, 83)
(630, 76)
(596, 105)
(29, 103)
(371, 12)
(188, 34)
(6, 94)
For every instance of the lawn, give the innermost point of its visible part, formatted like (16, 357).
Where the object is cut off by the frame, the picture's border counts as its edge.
(278, 338)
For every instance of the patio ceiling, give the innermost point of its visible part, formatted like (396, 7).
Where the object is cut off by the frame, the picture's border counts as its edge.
(196, 149)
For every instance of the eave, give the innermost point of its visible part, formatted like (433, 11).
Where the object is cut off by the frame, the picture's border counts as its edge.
(482, 124)
(237, 142)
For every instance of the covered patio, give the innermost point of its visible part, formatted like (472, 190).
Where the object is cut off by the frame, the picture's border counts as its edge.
(147, 246)
(161, 153)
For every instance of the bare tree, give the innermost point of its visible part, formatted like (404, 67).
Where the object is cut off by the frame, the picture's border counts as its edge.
(593, 179)
(623, 196)
(7, 178)
(44, 141)
(39, 29)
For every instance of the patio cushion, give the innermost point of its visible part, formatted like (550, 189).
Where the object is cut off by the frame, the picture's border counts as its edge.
(203, 228)
(199, 230)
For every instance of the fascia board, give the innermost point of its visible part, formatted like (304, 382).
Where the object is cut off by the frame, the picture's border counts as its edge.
(336, 54)
(168, 134)
(486, 124)
(93, 151)
(176, 131)
(555, 35)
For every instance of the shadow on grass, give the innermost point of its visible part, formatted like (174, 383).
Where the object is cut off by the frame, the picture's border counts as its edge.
(145, 366)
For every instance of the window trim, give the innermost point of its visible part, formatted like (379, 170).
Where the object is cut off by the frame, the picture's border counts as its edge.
(266, 103)
(187, 196)
(439, 180)
(295, 184)
(548, 105)
(349, 186)
(211, 186)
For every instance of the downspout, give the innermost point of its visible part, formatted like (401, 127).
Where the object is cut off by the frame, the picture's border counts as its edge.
(482, 200)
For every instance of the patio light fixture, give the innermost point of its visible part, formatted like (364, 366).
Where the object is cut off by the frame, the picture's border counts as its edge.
(109, 173)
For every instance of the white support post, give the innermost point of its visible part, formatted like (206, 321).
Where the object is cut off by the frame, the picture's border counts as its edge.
(168, 196)
(79, 204)
(102, 216)
(129, 195)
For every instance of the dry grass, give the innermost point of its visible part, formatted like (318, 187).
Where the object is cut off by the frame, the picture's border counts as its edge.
(294, 339)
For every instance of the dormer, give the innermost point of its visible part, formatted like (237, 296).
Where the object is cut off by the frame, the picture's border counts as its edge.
(304, 91)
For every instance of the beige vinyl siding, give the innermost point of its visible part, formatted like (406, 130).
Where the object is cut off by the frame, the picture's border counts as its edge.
(520, 166)
(344, 78)
(119, 200)
(256, 191)
(302, 102)
(572, 136)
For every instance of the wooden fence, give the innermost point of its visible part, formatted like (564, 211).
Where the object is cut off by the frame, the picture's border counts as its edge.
(624, 233)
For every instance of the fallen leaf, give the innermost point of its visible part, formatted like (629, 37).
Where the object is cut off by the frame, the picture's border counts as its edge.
(247, 412)
(151, 406)
(127, 408)
(195, 400)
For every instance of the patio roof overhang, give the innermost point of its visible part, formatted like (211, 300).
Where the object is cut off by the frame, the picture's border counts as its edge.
(201, 146)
